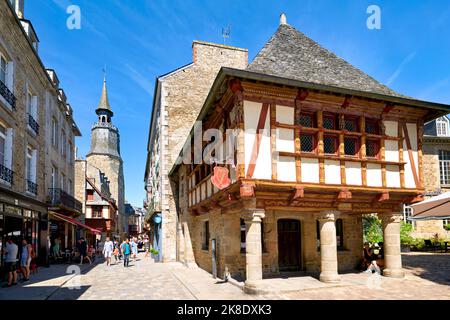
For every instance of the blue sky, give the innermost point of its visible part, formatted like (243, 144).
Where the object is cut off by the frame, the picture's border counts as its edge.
(139, 40)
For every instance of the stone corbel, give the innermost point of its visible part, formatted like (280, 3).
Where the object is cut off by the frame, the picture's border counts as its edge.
(253, 215)
(391, 217)
(327, 215)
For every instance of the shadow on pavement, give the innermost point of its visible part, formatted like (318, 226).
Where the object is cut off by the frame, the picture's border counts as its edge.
(46, 281)
(432, 267)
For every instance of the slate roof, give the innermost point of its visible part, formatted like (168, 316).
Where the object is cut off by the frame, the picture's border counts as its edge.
(291, 54)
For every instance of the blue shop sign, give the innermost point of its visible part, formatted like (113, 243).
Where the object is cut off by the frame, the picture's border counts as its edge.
(157, 218)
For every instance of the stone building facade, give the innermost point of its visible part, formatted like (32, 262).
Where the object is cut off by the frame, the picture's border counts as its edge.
(99, 208)
(317, 144)
(177, 101)
(436, 163)
(29, 93)
(104, 154)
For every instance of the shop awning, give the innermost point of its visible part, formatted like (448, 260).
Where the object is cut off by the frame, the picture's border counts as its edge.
(434, 208)
(74, 222)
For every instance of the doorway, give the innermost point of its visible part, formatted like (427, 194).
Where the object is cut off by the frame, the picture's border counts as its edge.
(289, 245)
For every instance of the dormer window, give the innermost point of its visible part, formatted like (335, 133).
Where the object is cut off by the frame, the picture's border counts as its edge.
(442, 126)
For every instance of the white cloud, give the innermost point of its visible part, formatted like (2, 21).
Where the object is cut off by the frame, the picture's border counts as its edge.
(399, 69)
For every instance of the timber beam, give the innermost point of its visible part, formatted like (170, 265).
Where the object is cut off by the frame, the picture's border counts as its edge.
(298, 192)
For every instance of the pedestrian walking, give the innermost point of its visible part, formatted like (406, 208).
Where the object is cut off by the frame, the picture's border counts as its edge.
(11, 251)
(83, 251)
(108, 249)
(126, 249)
(56, 248)
(147, 247)
(25, 260)
(134, 249)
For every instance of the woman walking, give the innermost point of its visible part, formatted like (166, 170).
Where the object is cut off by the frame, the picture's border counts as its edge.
(25, 260)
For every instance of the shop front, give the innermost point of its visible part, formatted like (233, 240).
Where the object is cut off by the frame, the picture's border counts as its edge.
(23, 220)
(66, 231)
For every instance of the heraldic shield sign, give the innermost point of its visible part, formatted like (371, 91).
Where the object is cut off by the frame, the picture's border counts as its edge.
(220, 178)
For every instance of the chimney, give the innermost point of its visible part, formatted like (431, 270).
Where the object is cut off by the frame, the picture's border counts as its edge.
(283, 19)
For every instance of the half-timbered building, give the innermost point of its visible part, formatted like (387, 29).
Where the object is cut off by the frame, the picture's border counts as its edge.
(319, 144)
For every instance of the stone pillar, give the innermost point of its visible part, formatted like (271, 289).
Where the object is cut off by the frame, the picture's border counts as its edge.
(391, 245)
(328, 249)
(253, 247)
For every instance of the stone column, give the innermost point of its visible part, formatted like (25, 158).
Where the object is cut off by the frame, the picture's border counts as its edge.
(391, 244)
(253, 249)
(328, 249)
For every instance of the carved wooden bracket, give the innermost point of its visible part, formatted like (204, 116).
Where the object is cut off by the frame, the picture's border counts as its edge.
(235, 85)
(215, 204)
(383, 196)
(344, 194)
(415, 199)
(347, 101)
(247, 191)
(389, 106)
(298, 192)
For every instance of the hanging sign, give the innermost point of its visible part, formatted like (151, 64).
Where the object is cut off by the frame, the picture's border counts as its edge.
(220, 178)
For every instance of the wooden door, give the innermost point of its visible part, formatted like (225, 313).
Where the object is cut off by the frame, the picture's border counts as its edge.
(289, 245)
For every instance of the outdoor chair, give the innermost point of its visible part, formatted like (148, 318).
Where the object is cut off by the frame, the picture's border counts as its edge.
(432, 246)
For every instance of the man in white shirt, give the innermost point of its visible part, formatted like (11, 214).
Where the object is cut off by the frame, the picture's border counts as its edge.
(11, 251)
(108, 249)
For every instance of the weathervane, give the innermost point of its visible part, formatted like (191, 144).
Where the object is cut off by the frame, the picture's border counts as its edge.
(104, 71)
(226, 33)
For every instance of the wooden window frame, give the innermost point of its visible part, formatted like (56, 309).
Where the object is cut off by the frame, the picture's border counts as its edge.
(311, 114)
(314, 143)
(332, 116)
(378, 145)
(357, 147)
(376, 123)
(355, 121)
(336, 144)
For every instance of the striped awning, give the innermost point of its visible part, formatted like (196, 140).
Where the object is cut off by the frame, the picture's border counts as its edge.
(74, 222)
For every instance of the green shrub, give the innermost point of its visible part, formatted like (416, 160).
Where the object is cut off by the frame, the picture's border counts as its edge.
(405, 233)
(372, 229)
(154, 251)
(447, 227)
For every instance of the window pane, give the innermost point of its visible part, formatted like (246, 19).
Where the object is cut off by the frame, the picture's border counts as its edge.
(2, 150)
(350, 125)
(329, 123)
(307, 143)
(372, 127)
(351, 146)
(372, 148)
(306, 120)
(3, 70)
(329, 144)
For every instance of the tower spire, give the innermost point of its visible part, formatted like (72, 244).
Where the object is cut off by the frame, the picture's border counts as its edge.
(104, 101)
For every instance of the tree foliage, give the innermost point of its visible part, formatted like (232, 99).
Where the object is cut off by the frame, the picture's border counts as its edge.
(372, 229)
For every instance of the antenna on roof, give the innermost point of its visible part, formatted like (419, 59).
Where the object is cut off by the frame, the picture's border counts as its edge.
(226, 33)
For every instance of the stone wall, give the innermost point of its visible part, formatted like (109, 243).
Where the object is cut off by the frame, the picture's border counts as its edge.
(183, 93)
(80, 182)
(225, 227)
(29, 73)
(432, 183)
(113, 169)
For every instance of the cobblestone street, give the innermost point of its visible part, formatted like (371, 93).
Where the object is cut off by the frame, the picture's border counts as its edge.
(427, 277)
